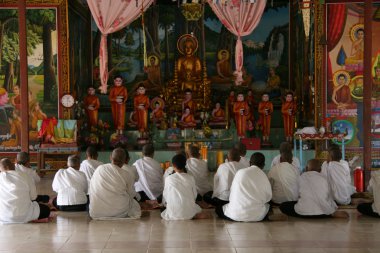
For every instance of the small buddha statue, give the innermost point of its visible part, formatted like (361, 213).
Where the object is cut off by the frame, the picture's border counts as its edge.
(187, 119)
(217, 114)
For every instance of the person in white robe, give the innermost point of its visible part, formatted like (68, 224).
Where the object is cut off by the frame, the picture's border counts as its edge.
(284, 180)
(180, 193)
(315, 199)
(23, 165)
(17, 192)
(243, 152)
(223, 179)
(133, 176)
(89, 165)
(339, 177)
(285, 147)
(199, 170)
(71, 187)
(150, 184)
(372, 209)
(250, 195)
(110, 190)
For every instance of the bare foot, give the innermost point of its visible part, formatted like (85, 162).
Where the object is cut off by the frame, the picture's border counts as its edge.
(277, 217)
(340, 214)
(202, 215)
(204, 205)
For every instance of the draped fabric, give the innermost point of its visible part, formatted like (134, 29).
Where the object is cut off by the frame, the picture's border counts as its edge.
(336, 20)
(111, 18)
(240, 18)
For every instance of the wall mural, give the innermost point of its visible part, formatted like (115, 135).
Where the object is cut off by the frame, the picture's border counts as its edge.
(346, 33)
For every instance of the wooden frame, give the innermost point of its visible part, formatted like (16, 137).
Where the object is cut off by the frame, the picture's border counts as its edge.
(61, 7)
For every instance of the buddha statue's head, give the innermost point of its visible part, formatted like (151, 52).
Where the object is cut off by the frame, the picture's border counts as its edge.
(341, 79)
(217, 105)
(91, 90)
(265, 97)
(188, 94)
(141, 89)
(189, 47)
(240, 97)
(118, 80)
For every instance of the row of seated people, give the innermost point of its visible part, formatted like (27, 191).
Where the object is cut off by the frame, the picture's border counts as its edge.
(119, 190)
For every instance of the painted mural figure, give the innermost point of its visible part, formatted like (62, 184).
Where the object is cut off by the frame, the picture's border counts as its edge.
(341, 95)
(154, 73)
(4, 98)
(188, 66)
(141, 105)
(273, 83)
(289, 110)
(241, 111)
(376, 88)
(157, 106)
(35, 114)
(357, 48)
(265, 112)
(16, 99)
(91, 104)
(118, 97)
(223, 67)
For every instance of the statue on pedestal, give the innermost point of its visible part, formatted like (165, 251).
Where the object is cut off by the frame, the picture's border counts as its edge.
(265, 112)
(91, 104)
(141, 105)
(118, 97)
(289, 110)
(241, 111)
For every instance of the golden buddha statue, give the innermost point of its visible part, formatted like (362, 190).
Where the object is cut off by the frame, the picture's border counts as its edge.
(188, 66)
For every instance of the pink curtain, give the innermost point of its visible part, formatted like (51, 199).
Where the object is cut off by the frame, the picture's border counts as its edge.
(111, 18)
(240, 18)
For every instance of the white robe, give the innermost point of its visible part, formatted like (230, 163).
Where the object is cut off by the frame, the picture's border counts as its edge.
(339, 179)
(133, 177)
(284, 180)
(88, 167)
(244, 161)
(223, 179)
(199, 170)
(110, 194)
(296, 162)
(29, 171)
(374, 187)
(150, 177)
(17, 192)
(250, 194)
(71, 187)
(180, 194)
(315, 197)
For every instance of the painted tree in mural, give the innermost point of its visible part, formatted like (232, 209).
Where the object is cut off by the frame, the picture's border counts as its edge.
(166, 20)
(8, 24)
(46, 19)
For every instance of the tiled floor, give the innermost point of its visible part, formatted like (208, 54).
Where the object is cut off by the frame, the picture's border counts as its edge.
(76, 232)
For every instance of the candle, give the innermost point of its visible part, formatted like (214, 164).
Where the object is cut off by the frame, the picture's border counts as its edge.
(204, 152)
(219, 158)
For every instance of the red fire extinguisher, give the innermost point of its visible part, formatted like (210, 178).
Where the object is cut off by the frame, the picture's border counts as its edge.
(358, 179)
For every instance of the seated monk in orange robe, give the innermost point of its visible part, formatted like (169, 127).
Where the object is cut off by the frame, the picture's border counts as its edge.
(188, 102)
(158, 113)
(187, 120)
(217, 114)
(241, 110)
(141, 104)
(47, 130)
(91, 104)
(289, 110)
(265, 111)
(341, 95)
(118, 97)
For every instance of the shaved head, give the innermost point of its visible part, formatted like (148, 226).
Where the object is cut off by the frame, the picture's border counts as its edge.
(148, 150)
(313, 165)
(91, 152)
(118, 157)
(234, 155)
(22, 158)
(6, 164)
(194, 151)
(242, 148)
(73, 161)
(258, 159)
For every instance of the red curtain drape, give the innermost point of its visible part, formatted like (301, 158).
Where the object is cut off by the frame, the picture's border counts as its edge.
(336, 20)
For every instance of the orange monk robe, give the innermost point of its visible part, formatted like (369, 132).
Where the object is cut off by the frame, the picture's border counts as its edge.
(241, 116)
(188, 121)
(35, 116)
(191, 104)
(118, 109)
(16, 130)
(250, 100)
(141, 114)
(225, 68)
(158, 114)
(265, 119)
(92, 100)
(218, 115)
(288, 119)
(231, 101)
(16, 102)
